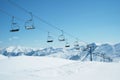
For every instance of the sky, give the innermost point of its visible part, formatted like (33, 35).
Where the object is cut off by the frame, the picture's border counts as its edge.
(88, 20)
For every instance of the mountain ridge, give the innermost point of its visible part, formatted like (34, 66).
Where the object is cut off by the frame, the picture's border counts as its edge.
(99, 52)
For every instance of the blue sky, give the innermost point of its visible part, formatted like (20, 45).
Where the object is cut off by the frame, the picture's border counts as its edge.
(89, 20)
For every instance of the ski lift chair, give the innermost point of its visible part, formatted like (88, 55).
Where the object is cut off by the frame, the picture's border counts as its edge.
(67, 44)
(14, 30)
(61, 37)
(50, 38)
(14, 26)
(76, 45)
(29, 24)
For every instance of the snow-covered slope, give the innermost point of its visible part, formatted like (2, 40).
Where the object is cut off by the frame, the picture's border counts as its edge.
(46, 68)
(2, 57)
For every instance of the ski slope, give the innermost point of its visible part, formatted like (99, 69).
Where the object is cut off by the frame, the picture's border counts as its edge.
(49, 68)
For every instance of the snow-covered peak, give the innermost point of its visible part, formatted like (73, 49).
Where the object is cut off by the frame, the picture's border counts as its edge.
(117, 48)
(71, 53)
(15, 49)
(104, 48)
(10, 49)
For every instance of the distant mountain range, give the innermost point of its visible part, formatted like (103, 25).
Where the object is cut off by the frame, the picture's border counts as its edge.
(103, 52)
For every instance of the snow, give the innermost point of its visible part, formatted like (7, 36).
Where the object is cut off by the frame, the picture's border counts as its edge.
(10, 49)
(105, 48)
(15, 49)
(103, 52)
(2, 57)
(117, 48)
(49, 68)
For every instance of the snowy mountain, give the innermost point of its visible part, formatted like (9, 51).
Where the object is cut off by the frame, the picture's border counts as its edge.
(103, 52)
(17, 51)
(117, 48)
(105, 49)
(14, 51)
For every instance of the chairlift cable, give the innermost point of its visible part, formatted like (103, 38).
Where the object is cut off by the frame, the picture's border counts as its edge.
(23, 9)
(8, 14)
(15, 4)
(14, 26)
(20, 19)
(42, 20)
(67, 44)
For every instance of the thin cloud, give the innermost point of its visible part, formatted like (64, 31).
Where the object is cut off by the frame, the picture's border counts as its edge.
(13, 38)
